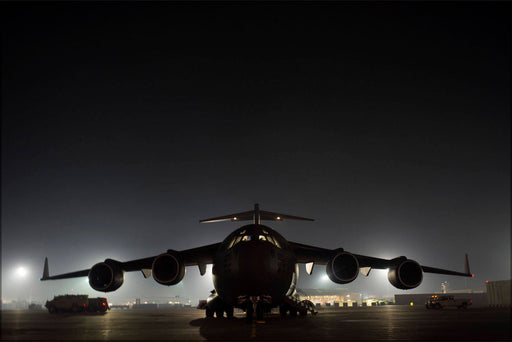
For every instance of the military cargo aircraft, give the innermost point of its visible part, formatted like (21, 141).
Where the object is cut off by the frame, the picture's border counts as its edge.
(254, 268)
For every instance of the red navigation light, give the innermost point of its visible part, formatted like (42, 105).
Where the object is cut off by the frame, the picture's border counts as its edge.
(472, 276)
(487, 281)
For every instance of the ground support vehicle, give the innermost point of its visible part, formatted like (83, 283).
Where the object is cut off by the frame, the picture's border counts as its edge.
(77, 303)
(439, 302)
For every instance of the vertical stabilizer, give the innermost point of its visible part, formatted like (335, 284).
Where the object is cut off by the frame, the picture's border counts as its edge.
(256, 215)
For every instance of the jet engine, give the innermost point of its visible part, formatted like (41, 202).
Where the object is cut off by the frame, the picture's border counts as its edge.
(168, 268)
(106, 276)
(408, 274)
(343, 268)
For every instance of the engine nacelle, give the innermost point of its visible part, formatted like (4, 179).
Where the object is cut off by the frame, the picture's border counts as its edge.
(342, 268)
(106, 276)
(168, 268)
(408, 274)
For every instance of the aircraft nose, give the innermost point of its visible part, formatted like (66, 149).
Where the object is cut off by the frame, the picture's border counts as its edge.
(256, 262)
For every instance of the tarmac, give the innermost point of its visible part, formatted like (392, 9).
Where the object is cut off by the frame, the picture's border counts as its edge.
(393, 322)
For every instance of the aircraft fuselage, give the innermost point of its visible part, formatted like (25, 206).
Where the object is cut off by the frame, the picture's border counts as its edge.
(254, 261)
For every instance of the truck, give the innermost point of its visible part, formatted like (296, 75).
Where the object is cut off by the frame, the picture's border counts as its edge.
(439, 302)
(76, 303)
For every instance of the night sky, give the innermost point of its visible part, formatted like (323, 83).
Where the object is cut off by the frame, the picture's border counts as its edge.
(123, 124)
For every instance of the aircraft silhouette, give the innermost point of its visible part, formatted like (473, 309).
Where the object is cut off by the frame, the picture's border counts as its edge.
(254, 268)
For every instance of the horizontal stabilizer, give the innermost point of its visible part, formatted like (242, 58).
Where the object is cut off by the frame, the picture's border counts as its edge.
(255, 215)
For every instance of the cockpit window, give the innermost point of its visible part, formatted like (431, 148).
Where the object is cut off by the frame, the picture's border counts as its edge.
(262, 236)
(273, 241)
(235, 241)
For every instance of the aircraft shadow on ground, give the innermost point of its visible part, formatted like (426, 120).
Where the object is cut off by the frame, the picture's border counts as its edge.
(237, 328)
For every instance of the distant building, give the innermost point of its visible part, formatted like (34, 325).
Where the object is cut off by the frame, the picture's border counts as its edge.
(15, 305)
(149, 306)
(499, 293)
(337, 297)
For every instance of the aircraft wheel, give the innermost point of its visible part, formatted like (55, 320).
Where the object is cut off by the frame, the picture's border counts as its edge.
(209, 312)
(303, 312)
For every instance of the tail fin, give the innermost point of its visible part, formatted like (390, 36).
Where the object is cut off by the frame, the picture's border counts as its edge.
(256, 215)
(46, 272)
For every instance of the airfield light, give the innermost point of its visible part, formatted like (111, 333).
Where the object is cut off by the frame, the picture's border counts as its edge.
(235, 218)
(21, 272)
(278, 218)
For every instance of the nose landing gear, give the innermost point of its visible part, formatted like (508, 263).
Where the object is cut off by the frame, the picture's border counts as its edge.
(258, 304)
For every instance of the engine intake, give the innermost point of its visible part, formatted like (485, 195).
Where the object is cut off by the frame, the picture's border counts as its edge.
(408, 274)
(168, 268)
(106, 276)
(343, 268)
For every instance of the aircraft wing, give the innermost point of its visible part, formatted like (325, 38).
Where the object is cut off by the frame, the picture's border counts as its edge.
(310, 254)
(200, 256)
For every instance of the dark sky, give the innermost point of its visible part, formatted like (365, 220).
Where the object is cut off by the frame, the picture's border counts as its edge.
(123, 124)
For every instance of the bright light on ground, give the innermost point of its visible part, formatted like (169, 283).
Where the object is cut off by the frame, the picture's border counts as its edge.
(21, 272)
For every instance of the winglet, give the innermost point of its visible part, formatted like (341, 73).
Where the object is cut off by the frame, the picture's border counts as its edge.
(46, 272)
(466, 266)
